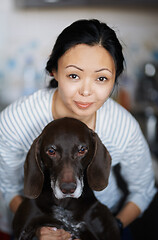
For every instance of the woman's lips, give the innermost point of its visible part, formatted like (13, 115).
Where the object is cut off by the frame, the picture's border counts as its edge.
(83, 105)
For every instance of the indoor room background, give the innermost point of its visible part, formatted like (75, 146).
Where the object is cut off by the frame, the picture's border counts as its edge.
(27, 36)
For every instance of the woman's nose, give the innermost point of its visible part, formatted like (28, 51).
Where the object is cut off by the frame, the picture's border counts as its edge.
(85, 89)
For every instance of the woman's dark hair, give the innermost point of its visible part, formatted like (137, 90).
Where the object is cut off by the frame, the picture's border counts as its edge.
(90, 32)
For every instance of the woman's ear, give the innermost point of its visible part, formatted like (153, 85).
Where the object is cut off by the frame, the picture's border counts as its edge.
(55, 74)
(33, 174)
(99, 168)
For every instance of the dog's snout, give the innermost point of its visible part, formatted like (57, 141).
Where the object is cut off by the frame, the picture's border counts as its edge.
(68, 188)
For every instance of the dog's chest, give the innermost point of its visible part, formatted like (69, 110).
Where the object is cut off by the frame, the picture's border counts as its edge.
(68, 222)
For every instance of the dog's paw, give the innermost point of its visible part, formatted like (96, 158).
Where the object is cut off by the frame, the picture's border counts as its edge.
(22, 235)
(27, 235)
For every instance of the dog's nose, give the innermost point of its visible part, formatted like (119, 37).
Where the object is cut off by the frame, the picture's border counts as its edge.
(68, 188)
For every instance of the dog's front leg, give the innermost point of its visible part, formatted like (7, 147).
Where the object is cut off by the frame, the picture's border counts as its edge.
(27, 234)
(24, 236)
(102, 223)
(87, 235)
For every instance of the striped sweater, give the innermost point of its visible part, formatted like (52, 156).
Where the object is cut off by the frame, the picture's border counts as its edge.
(23, 121)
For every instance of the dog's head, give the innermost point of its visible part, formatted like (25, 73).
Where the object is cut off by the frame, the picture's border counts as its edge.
(66, 148)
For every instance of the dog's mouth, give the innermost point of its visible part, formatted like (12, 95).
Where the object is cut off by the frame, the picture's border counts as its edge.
(64, 190)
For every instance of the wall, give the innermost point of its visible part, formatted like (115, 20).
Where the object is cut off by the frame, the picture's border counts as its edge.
(27, 37)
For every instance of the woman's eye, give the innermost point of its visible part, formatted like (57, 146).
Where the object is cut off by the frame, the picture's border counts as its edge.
(102, 79)
(51, 152)
(82, 150)
(74, 76)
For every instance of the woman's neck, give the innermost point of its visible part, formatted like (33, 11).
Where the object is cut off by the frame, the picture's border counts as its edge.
(64, 112)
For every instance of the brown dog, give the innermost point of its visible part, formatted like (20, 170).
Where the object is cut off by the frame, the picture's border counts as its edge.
(64, 164)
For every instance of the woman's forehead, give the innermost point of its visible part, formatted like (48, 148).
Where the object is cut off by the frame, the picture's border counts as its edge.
(81, 56)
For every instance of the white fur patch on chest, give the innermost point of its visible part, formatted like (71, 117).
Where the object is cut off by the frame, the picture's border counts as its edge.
(69, 224)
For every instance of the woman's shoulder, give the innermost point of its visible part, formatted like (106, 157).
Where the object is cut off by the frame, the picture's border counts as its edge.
(26, 117)
(39, 97)
(113, 111)
(115, 124)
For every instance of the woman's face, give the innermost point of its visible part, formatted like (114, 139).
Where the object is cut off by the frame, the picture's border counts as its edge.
(86, 77)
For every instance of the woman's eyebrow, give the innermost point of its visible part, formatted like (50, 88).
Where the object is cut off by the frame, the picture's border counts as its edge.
(74, 66)
(104, 69)
(99, 70)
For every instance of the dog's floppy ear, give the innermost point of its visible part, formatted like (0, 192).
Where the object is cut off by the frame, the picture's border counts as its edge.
(33, 175)
(99, 168)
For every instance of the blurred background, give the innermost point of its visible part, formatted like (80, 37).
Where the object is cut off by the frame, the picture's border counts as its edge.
(28, 30)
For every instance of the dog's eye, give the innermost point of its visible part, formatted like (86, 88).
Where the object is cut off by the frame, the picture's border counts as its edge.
(82, 150)
(51, 152)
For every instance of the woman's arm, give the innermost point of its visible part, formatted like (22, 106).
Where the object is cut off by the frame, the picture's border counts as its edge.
(15, 203)
(128, 213)
(137, 171)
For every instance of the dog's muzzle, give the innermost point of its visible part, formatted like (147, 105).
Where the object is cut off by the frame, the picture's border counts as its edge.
(68, 188)
(64, 190)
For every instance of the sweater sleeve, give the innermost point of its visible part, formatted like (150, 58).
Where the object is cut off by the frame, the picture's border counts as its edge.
(136, 168)
(11, 167)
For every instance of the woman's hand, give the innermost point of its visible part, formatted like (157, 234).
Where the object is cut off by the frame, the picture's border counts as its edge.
(46, 233)
(52, 233)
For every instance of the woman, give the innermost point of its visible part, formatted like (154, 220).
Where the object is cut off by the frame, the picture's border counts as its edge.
(85, 63)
